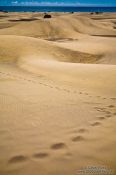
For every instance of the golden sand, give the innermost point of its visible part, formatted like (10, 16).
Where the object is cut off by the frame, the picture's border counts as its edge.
(57, 93)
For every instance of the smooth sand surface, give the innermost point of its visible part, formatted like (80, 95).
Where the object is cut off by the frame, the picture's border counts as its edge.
(57, 93)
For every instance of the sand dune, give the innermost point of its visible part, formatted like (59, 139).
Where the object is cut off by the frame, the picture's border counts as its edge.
(41, 49)
(60, 26)
(57, 93)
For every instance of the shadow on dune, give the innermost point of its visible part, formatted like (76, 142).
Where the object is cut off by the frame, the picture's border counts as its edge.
(112, 36)
(23, 20)
(61, 39)
(3, 16)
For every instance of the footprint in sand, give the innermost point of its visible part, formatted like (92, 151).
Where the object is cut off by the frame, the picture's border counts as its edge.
(40, 155)
(99, 109)
(18, 159)
(108, 116)
(113, 98)
(67, 90)
(57, 88)
(51, 87)
(77, 138)
(101, 118)
(96, 124)
(111, 106)
(82, 130)
(107, 112)
(58, 146)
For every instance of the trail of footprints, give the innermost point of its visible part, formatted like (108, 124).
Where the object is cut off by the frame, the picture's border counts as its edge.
(41, 83)
(51, 86)
(107, 112)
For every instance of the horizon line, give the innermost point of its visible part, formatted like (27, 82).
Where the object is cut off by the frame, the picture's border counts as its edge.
(64, 5)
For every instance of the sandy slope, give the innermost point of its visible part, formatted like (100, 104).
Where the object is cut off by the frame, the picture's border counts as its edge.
(57, 114)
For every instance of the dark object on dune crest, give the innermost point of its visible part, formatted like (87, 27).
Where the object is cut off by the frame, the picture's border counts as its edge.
(91, 13)
(47, 16)
(97, 13)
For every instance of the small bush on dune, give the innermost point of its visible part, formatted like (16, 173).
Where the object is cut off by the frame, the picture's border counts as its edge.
(47, 16)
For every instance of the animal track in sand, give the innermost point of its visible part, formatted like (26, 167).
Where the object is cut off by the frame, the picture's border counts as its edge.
(40, 155)
(77, 138)
(58, 146)
(18, 159)
(66, 90)
(29, 80)
(96, 124)
(51, 87)
(48, 85)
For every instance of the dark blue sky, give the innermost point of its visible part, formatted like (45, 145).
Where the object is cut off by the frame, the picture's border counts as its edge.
(59, 2)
